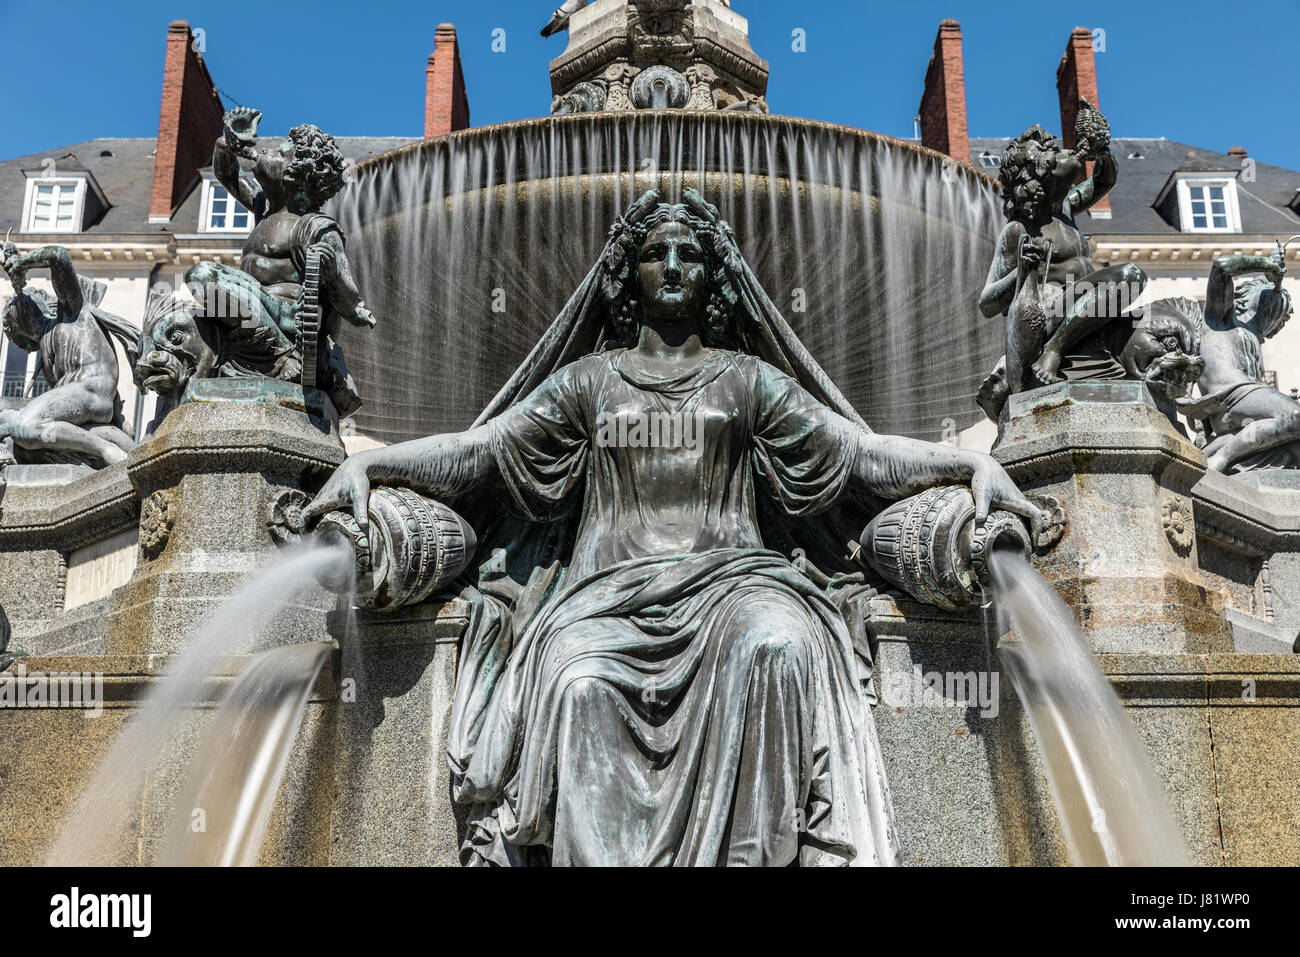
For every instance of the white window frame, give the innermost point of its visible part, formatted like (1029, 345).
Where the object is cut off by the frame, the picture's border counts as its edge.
(78, 185)
(210, 184)
(1231, 207)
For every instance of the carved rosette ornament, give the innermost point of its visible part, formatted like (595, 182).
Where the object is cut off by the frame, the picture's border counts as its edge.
(1179, 525)
(284, 516)
(157, 516)
(1058, 523)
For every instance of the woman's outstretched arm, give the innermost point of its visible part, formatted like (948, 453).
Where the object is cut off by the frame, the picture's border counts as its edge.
(537, 446)
(440, 465)
(808, 455)
(893, 467)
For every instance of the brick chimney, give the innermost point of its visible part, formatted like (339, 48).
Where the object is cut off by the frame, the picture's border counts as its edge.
(446, 104)
(189, 122)
(1076, 76)
(943, 104)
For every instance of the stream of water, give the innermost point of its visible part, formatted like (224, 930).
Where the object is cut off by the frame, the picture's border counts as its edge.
(224, 811)
(109, 810)
(468, 246)
(1111, 805)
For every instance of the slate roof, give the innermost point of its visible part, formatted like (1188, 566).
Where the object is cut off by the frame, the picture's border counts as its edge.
(123, 168)
(1146, 164)
(125, 176)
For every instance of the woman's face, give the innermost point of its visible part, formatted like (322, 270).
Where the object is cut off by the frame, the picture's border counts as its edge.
(672, 272)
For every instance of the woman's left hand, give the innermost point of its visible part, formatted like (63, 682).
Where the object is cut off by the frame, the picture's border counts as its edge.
(993, 488)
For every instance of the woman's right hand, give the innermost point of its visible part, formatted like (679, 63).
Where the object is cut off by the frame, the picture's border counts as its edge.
(347, 489)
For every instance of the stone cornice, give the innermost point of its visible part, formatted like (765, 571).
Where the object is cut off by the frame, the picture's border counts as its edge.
(1197, 248)
(752, 72)
(130, 250)
(1242, 518)
(1057, 463)
(65, 517)
(256, 455)
(588, 63)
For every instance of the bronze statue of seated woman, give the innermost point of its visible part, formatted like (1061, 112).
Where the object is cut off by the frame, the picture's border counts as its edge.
(647, 677)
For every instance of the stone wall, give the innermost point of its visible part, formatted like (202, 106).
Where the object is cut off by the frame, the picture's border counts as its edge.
(1192, 634)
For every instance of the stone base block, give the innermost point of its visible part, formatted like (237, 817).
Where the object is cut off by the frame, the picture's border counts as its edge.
(392, 785)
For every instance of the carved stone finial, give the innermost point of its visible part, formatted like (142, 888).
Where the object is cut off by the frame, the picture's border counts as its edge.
(676, 54)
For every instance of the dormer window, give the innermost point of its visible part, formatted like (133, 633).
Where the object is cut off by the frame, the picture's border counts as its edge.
(990, 160)
(59, 202)
(1200, 196)
(1210, 206)
(1207, 205)
(54, 208)
(221, 212)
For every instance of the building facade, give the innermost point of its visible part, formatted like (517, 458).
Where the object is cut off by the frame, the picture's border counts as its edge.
(136, 213)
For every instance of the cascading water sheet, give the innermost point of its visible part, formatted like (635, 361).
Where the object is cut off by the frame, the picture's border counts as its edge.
(467, 246)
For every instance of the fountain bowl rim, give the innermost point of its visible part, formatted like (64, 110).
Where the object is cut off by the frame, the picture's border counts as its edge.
(721, 116)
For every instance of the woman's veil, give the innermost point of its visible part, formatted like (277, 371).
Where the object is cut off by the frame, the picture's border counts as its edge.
(580, 328)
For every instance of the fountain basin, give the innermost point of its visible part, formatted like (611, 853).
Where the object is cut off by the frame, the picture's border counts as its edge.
(467, 246)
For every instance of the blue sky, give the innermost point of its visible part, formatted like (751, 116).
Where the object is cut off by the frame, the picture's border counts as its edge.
(1209, 74)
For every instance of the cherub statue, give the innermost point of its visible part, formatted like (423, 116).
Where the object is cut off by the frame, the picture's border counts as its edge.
(1247, 424)
(79, 418)
(289, 185)
(1042, 277)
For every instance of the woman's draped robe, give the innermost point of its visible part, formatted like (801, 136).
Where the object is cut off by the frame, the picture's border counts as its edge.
(673, 692)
